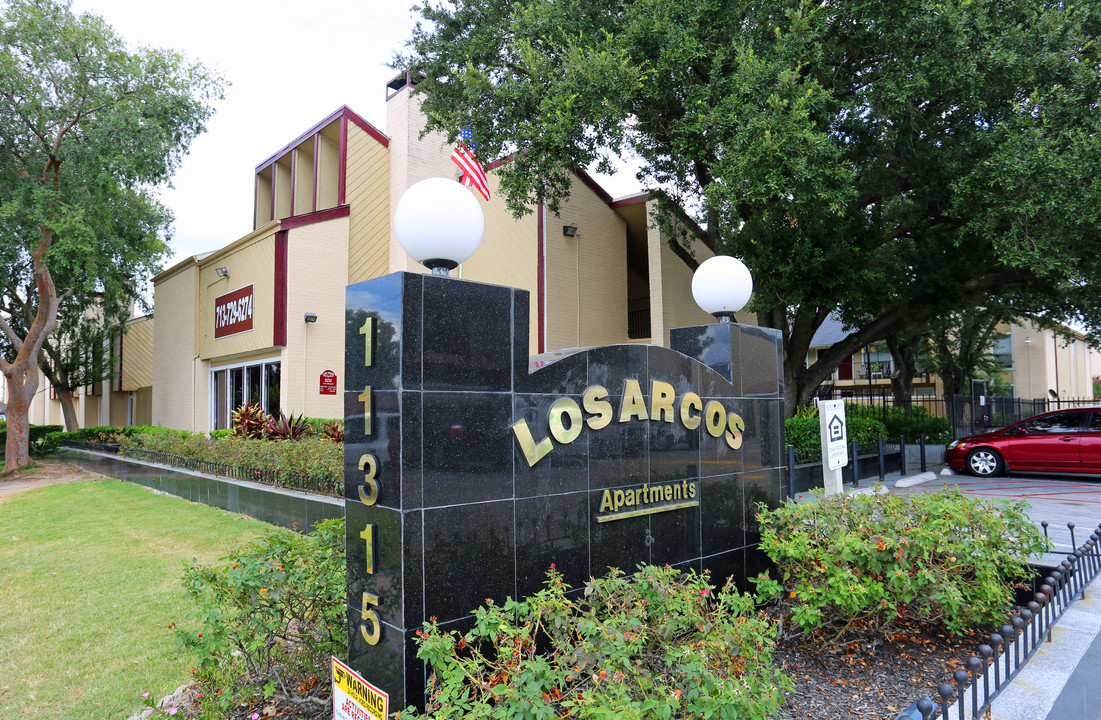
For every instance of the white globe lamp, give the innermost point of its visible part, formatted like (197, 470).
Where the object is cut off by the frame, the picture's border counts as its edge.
(439, 223)
(721, 286)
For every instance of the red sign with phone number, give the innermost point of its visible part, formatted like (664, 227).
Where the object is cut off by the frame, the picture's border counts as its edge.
(233, 312)
(328, 383)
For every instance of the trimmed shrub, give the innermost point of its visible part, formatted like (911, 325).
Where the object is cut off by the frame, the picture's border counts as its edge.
(312, 456)
(37, 435)
(658, 644)
(861, 562)
(937, 430)
(802, 431)
(271, 615)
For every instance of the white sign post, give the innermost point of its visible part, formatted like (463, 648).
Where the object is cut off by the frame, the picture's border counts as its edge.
(835, 446)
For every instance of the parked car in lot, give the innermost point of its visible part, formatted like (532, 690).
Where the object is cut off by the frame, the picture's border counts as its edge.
(1063, 441)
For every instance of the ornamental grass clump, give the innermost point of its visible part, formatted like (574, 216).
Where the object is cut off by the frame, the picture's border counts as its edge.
(859, 563)
(658, 644)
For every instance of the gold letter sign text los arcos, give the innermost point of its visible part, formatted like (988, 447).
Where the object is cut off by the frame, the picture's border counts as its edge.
(566, 419)
(370, 625)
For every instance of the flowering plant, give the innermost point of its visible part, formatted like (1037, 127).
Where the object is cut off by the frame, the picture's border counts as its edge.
(656, 644)
(861, 562)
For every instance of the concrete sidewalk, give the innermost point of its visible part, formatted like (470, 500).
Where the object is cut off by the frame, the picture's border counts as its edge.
(1062, 680)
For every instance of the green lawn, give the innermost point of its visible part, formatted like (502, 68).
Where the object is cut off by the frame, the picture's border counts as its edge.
(89, 583)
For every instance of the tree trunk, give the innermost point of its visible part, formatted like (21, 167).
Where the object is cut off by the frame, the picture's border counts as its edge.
(68, 410)
(21, 389)
(902, 379)
(22, 373)
(60, 382)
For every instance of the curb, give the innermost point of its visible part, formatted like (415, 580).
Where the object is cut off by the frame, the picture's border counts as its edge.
(918, 479)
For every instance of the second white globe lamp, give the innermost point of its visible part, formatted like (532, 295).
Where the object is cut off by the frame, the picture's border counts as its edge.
(722, 286)
(439, 223)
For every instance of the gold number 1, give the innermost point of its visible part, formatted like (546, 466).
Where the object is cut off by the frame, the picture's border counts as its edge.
(368, 535)
(368, 331)
(365, 398)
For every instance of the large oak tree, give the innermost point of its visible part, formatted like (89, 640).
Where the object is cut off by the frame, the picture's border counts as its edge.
(89, 130)
(893, 160)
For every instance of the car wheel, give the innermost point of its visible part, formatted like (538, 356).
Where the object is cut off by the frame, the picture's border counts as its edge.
(984, 462)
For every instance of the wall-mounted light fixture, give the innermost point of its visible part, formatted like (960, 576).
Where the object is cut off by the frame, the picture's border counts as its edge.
(1028, 341)
(221, 272)
(310, 317)
(570, 230)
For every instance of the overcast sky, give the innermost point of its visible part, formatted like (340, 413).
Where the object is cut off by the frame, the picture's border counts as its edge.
(290, 63)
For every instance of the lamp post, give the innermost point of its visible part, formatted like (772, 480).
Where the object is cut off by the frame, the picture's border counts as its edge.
(1028, 362)
(439, 223)
(722, 286)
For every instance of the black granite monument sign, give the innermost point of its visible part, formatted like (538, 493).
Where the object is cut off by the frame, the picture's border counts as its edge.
(467, 474)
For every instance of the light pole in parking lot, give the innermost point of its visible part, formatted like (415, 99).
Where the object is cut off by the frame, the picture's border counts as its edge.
(1028, 363)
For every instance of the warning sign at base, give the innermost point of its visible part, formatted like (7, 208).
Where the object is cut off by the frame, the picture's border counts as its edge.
(356, 699)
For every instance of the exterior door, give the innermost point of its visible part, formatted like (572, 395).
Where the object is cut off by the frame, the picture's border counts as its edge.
(845, 369)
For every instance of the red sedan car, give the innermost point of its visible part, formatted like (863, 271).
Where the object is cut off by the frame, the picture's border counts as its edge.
(1064, 441)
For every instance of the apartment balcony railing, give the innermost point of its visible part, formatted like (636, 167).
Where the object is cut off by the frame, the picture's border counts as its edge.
(881, 370)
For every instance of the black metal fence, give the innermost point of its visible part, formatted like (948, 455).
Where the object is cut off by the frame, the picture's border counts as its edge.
(866, 460)
(279, 478)
(973, 414)
(975, 685)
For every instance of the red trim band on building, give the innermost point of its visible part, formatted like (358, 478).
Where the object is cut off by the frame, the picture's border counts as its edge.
(540, 282)
(343, 112)
(314, 217)
(342, 173)
(279, 326)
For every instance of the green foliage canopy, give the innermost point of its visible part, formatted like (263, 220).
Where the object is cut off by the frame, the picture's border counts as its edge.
(89, 130)
(893, 159)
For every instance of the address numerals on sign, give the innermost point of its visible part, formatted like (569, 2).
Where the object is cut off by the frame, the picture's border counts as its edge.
(370, 626)
(368, 333)
(369, 465)
(368, 535)
(373, 635)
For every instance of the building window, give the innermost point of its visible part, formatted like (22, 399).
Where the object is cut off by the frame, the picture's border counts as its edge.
(231, 387)
(271, 388)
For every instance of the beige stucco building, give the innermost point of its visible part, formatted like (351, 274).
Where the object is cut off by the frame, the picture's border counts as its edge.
(262, 318)
(124, 399)
(1048, 365)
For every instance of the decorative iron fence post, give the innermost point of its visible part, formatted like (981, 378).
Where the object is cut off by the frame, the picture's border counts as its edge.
(855, 463)
(791, 471)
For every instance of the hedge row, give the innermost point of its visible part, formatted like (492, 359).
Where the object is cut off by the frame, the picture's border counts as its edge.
(313, 455)
(38, 437)
(867, 425)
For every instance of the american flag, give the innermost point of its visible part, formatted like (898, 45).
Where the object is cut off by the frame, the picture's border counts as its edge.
(474, 175)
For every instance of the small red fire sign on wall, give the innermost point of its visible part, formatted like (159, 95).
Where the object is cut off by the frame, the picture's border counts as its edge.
(328, 383)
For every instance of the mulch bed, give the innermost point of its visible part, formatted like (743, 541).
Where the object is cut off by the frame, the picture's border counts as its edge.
(857, 681)
(865, 681)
